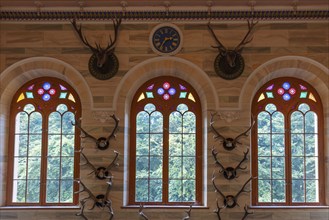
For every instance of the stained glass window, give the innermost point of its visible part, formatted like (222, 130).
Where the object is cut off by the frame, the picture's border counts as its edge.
(43, 142)
(166, 135)
(288, 144)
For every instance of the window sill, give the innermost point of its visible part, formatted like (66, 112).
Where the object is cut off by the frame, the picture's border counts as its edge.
(164, 207)
(289, 207)
(37, 207)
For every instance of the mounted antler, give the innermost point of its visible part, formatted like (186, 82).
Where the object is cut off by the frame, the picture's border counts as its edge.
(246, 212)
(141, 213)
(228, 143)
(97, 200)
(102, 143)
(218, 209)
(230, 62)
(114, 163)
(229, 172)
(103, 60)
(188, 212)
(230, 201)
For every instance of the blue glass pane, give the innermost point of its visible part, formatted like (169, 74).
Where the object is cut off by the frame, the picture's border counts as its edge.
(46, 97)
(172, 91)
(286, 85)
(286, 97)
(46, 86)
(161, 91)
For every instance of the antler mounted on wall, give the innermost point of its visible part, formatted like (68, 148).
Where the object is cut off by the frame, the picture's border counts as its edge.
(103, 64)
(229, 172)
(228, 143)
(229, 64)
(102, 143)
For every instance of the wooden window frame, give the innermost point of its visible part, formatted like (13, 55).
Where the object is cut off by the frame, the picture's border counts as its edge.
(136, 107)
(287, 110)
(45, 108)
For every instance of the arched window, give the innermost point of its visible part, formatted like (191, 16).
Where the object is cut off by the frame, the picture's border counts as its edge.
(42, 159)
(166, 144)
(288, 144)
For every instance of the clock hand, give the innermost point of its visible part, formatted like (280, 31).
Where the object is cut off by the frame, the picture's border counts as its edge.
(164, 41)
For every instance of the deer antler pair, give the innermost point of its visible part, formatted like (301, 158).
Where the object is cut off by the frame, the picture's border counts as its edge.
(229, 172)
(230, 201)
(102, 143)
(228, 143)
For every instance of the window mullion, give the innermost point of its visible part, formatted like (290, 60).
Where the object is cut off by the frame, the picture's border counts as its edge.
(44, 157)
(288, 160)
(165, 185)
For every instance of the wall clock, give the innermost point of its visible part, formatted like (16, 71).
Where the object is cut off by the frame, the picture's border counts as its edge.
(166, 39)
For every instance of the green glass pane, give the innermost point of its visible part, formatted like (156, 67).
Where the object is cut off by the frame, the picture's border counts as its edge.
(175, 191)
(182, 108)
(53, 167)
(155, 190)
(264, 144)
(304, 108)
(264, 168)
(278, 148)
(142, 144)
(21, 145)
(35, 123)
(189, 123)
(264, 123)
(311, 144)
(156, 167)
(182, 95)
(297, 167)
(141, 190)
(278, 167)
(142, 167)
(21, 123)
(175, 167)
(142, 122)
(297, 144)
(312, 190)
(156, 144)
(61, 108)
(63, 95)
(156, 122)
(67, 168)
(270, 108)
(54, 145)
(189, 167)
(33, 191)
(54, 123)
(297, 122)
(29, 108)
(149, 108)
(277, 122)
(52, 191)
(189, 144)
(311, 122)
(298, 187)
(19, 192)
(303, 95)
(175, 144)
(20, 168)
(66, 194)
(67, 145)
(29, 95)
(149, 95)
(35, 145)
(188, 191)
(34, 165)
(311, 168)
(175, 122)
(279, 192)
(269, 95)
(264, 191)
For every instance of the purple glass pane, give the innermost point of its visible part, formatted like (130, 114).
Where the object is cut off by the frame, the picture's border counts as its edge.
(182, 87)
(270, 87)
(62, 87)
(286, 85)
(30, 87)
(172, 91)
(46, 97)
(150, 87)
(302, 87)
(46, 86)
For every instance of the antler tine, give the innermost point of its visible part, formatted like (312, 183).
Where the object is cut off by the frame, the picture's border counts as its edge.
(217, 210)
(220, 46)
(243, 188)
(244, 133)
(246, 212)
(87, 135)
(188, 212)
(214, 154)
(116, 25)
(112, 164)
(217, 134)
(88, 163)
(83, 38)
(244, 159)
(247, 37)
(116, 120)
(216, 188)
(141, 213)
(81, 213)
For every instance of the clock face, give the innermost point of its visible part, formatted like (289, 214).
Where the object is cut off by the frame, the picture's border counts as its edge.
(166, 40)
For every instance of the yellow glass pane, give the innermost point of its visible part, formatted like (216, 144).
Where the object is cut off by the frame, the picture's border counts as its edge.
(311, 96)
(141, 97)
(191, 97)
(261, 97)
(71, 98)
(21, 97)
